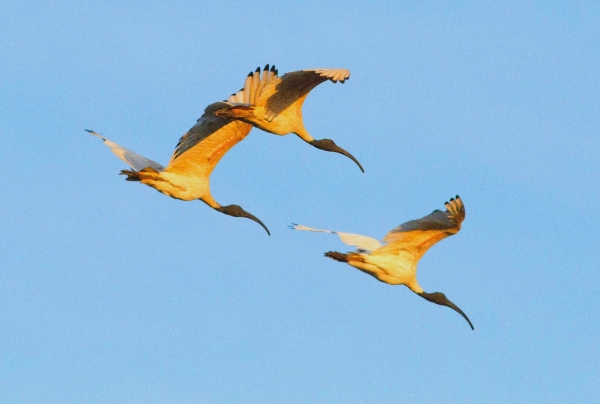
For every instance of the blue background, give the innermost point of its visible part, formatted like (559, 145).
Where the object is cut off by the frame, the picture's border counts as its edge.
(112, 292)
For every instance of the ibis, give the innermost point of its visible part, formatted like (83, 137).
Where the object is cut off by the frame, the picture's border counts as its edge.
(187, 176)
(278, 103)
(395, 263)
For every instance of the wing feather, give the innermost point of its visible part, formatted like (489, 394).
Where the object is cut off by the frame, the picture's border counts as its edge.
(135, 161)
(201, 148)
(254, 82)
(281, 92)
(236, 98)
(364, 243)
(253, 86)
(423, 233)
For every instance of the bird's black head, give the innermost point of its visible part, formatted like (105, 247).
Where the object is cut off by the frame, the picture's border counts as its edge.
(329, 145)
(441, 299)
(237, 211)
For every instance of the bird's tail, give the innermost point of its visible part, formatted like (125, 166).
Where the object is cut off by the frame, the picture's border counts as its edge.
(136, 161)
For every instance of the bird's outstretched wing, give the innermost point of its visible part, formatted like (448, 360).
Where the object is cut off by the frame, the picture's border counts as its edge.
(253, 86)
(278, 93)
(255, 82)
(422, 233)
(200, 149)
(364, 243)
(134, 160)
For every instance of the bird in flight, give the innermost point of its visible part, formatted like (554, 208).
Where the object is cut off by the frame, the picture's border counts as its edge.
(187, 176)
(277, 106)
(395, 263)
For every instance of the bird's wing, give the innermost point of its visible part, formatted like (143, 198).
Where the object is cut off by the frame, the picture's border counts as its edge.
(201, 148)
(253, 86)
(136, 161)
(365, 243)
(255, 82)
(280, 92)
(421, 234)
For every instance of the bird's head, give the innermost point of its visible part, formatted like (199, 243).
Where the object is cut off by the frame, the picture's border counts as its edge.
(329, 145)
(441, 299)
(237, 211)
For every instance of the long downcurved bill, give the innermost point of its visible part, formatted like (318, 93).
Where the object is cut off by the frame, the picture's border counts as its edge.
(329, 145)
(442, 300)
(459, 311)
(237, 211)
(338, 149)
(252, 217)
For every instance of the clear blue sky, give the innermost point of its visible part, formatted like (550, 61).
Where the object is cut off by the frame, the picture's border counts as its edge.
(112, 292)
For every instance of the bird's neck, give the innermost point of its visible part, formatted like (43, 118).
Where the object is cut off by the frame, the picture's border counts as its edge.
(210, 201)
(414, 286)
(303, 133)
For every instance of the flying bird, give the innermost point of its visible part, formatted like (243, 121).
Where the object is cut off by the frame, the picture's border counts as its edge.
(277, 106)
(187, 176)
(396, 262)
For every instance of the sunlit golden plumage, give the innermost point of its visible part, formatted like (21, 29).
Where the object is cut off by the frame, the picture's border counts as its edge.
(278, 100)
(395, 263)
(187, 176)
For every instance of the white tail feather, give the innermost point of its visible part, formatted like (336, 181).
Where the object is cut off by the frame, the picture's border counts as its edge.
(135, 161)
(364, 243)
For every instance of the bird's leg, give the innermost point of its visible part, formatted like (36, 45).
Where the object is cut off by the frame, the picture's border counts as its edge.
(338, 256)
(358, 261)
(143, 174)
(132, 175)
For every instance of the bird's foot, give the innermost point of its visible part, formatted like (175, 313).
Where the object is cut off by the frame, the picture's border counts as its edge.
(337, 256)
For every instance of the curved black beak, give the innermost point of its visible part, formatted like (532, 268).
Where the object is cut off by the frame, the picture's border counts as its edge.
(459, 311)
(257, 220)
(329, 145)
(442, 300)
(237, 211)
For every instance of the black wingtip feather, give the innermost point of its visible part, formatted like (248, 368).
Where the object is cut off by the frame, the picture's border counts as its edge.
(266, 67)
(273, 68)
(257, 70)
(250, 74)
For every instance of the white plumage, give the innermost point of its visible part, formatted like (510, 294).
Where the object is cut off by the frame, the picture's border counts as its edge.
(362, 243)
